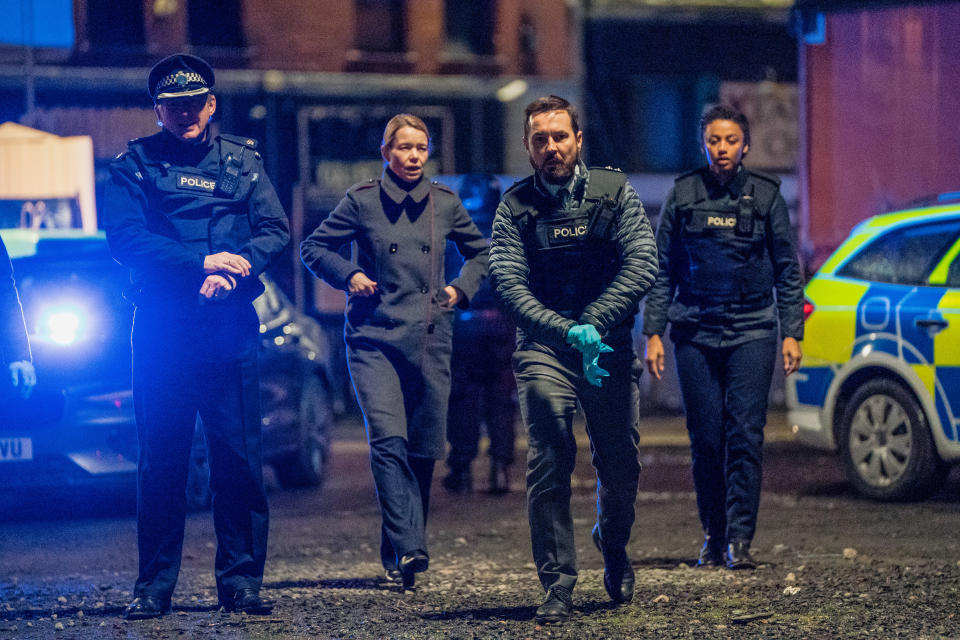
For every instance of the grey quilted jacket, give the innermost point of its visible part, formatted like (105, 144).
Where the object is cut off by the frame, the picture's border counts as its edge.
(613, 311)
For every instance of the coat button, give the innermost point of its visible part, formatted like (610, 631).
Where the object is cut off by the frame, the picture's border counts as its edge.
(430, 328)
(424, 290)
(393, 248)
(425, 248)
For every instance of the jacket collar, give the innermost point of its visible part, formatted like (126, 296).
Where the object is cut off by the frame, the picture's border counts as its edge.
(398, 190)
(732, 188)
(575, 186)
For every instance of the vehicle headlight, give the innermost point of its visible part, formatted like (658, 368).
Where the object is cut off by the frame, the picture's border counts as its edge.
(63, 324)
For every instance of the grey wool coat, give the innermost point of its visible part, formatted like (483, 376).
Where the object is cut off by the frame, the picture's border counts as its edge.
(399, 339)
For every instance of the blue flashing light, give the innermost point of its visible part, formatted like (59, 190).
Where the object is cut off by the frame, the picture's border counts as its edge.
(63, 325)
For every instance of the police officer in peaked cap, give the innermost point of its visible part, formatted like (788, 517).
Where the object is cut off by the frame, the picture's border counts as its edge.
(195, 218)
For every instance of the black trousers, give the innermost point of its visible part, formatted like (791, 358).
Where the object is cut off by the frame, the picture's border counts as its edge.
(403, 482)
(550, 389)
(173, 383)
(725, 393)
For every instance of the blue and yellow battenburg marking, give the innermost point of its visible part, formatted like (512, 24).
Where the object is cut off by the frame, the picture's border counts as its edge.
(918, 324)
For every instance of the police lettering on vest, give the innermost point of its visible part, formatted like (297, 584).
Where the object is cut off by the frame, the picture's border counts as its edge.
(569, 231)
(195, 183)
(721, 222)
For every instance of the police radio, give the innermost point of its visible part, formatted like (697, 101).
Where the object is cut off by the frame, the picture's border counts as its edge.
(745, 215)
(229, 179)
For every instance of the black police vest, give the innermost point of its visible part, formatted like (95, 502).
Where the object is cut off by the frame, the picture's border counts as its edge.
(206, 206)
(572, 255)
(725, 245)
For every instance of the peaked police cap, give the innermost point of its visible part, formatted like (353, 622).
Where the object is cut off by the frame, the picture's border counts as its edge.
(178, 76)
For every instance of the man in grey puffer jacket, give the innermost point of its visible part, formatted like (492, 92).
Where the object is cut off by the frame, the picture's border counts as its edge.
(572, 254)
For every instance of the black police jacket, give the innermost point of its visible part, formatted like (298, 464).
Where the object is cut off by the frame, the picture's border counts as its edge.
(14, 346)
(167, 209)
(551, 273)
(724, 250)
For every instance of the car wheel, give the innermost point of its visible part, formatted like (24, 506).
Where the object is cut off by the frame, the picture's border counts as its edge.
(886, 444)
(199, 496)
(307, 466)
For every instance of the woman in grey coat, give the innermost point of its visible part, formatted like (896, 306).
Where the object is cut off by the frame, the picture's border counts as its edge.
(398, 325)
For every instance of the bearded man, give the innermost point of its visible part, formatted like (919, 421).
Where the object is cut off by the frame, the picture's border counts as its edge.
(572, 254)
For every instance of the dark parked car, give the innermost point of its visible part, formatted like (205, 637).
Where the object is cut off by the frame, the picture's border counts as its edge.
(78, 427)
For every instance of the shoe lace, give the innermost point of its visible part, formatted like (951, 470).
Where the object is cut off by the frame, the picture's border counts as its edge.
(562, 594)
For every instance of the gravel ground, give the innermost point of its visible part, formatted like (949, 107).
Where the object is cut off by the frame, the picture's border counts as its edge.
(834, 566)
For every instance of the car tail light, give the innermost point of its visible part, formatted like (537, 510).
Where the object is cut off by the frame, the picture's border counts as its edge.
(808, 308)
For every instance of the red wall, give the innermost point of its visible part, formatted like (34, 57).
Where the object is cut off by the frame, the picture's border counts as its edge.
(881, 116)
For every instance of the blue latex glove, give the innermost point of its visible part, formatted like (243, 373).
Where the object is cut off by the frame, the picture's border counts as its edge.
(593, 372)
(582, 337)
(591, 364)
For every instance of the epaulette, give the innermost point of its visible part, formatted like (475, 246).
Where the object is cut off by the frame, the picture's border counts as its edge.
(769, 177)
(360, 186)
(687, 174)
(512, 198)
(519, 184)
(240, 140)
(442, 187)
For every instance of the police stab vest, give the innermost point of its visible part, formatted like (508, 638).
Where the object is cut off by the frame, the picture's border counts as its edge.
(572, 254)
(725, 243)
(209, 212)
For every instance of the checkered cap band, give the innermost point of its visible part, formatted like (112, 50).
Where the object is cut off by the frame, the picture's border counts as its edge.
(180, 79)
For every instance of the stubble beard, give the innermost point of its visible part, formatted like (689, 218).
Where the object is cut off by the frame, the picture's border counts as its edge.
(561, 174)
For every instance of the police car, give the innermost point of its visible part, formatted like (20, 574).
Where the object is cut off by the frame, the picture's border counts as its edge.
(880, 381)
(78, 428)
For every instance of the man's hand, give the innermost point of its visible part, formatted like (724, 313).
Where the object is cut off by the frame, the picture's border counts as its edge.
(227, 263)
(361, 285)
(592, 371)
(217, 286)
(792, 355)
(22, 375)
(453, 296)
(583, 337)
(654, 357)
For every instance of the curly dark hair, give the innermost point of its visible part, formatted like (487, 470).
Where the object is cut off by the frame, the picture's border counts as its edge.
(725, 112)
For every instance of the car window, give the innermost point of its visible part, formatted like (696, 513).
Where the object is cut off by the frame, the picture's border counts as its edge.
(953, 274)
(904, 255)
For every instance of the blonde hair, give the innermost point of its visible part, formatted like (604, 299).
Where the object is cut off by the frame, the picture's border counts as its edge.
(400, 121)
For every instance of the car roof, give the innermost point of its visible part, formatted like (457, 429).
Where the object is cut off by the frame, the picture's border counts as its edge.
(52, 243)
(866, 231)
(886, 221)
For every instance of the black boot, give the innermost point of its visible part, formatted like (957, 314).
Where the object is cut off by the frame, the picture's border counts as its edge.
(411, 564)
(146, 607)
(738, 555)
(711, 553)
(459, 480)
(557, 606)
(499, 478)
(618, 576)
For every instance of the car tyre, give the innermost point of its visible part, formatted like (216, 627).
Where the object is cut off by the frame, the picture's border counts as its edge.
(886, 445)
(307, 466)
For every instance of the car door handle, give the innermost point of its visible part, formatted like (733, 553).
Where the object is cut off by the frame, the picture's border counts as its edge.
(927, 323)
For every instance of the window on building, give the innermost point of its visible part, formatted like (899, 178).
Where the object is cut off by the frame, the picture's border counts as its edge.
(469, 27)
(216, 24)
(115, 24)
(380, 26)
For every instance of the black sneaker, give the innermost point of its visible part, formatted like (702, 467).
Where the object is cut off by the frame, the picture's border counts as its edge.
(557, 606)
